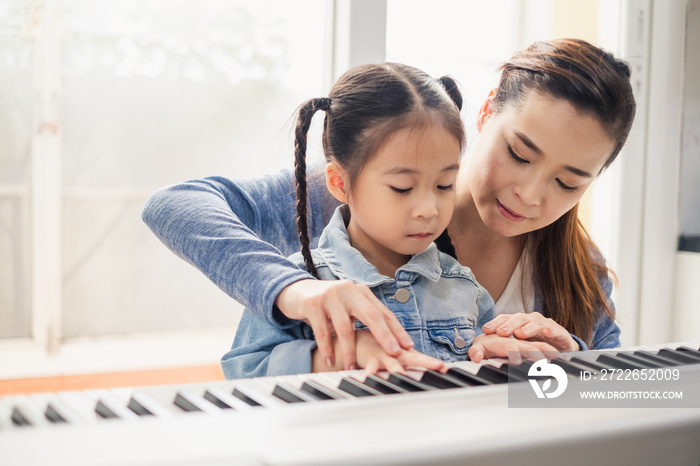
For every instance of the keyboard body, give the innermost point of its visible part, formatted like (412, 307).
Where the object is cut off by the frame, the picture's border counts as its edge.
(456, 426)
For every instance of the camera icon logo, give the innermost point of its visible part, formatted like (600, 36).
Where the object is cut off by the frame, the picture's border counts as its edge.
(546, 371)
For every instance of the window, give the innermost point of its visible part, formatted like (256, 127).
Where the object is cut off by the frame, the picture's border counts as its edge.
(103, 103)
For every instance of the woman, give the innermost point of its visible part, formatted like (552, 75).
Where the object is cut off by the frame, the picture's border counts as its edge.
(559, 117)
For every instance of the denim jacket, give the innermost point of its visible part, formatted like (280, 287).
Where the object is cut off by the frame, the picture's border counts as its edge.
(437, 300)
(239, 232)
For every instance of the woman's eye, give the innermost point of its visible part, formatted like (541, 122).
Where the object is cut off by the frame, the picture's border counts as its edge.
(515, 157)
(446, 187)
(399, 190)
(567, 187)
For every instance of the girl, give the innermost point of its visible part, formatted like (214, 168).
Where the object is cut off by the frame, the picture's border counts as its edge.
(392, 138)
(560, 115)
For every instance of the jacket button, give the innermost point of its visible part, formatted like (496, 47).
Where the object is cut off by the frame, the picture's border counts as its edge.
(459, 341)
(402, 295)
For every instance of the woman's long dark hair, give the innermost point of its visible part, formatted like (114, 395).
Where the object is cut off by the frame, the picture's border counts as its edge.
(567, 264)
(368, 104)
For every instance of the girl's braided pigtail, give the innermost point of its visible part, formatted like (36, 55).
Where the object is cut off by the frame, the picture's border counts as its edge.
(306, 113)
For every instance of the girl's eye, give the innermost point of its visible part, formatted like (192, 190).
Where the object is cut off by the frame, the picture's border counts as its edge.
(446, 188)
(399, 190)
(515, 157)
(565, 187)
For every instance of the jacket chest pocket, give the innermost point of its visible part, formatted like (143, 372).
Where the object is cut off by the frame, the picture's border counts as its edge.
(453, 341)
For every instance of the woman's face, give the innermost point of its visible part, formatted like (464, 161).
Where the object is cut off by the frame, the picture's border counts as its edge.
(532, 163)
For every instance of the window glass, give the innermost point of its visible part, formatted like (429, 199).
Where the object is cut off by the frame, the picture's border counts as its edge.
(156, 92)
(16, 74)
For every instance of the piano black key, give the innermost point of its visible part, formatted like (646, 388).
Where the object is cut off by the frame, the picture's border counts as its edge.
(136, 406)
(665, 362)
(356, 388)
(617, 362)
(678, 356)
(518, 372)
(571, 368)
(286, 392)
(189, 402)
(689, 350)
(224, 400)
(382, 385)
(441, 381)
(54, 415)
(408, 383)
(19, 418)
(320, 391)
(109, 406)
(492, 374)
(589, 364)
(243, 395)
(639, 360)
(467, 377)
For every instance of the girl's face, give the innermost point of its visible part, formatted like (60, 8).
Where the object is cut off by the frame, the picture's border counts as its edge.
(403, 198)
(533, 163)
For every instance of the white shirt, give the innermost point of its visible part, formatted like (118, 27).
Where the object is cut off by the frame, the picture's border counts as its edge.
(519, 295)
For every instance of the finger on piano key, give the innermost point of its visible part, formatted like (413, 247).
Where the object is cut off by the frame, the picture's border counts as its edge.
(191, 402)
(225, 399)
(26, 412)
(109, 406)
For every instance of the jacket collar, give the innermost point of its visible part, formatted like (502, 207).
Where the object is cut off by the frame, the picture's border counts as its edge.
(348, 263)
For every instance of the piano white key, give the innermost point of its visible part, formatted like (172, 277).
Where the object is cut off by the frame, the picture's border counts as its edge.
(5, 415)
(55, 410)
(82, 405)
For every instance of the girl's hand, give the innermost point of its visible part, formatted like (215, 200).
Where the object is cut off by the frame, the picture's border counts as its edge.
(331, 307)
(372, 357)
(533, 326)
(495, 346)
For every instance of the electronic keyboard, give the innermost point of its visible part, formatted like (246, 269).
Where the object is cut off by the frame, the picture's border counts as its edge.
(349, 417)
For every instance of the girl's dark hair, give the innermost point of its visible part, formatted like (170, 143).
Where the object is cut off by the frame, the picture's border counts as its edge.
(366, 105)
(566, 262)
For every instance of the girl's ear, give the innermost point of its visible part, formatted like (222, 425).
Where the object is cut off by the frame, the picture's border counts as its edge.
(486, 110)
(335, 181)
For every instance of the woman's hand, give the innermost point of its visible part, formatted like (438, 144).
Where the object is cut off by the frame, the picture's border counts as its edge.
(533, 326)
(331, 307)
(495, 346)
